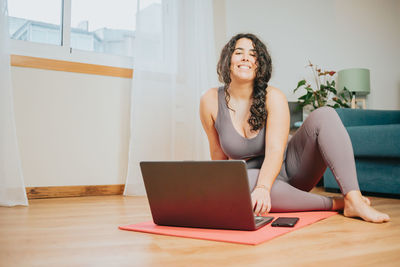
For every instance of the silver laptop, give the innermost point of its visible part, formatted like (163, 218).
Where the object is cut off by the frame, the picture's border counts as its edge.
(204, 194)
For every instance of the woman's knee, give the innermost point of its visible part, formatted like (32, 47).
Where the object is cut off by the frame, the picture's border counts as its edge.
(324, 117)
(325, 112)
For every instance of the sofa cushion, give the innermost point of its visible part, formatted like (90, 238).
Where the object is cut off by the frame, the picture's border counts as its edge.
(361, 117)
(375, 140)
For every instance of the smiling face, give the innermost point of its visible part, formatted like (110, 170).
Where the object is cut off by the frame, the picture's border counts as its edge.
(243, 61)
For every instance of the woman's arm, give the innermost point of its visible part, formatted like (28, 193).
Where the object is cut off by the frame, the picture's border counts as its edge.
(277, 132)
(208, 113)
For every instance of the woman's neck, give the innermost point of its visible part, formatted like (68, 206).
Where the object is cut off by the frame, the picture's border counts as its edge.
(242, 91)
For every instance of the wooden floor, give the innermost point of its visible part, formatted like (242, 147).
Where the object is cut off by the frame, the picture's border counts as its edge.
(83, 231)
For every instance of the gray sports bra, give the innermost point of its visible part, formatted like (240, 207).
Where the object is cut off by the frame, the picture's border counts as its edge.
(232, 143)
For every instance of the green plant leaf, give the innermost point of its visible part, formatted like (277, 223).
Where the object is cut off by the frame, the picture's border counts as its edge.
(326, 90)
(303, 97)
(299, 84)
(309, 89)
(333, 90)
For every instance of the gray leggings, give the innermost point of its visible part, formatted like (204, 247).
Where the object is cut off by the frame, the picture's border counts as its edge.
(321, 142)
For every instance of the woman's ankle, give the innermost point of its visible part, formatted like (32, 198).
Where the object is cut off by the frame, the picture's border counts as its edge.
(354, 195)
(337, 203)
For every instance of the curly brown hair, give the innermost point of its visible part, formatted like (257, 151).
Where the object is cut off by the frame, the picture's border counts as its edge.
(258, 112)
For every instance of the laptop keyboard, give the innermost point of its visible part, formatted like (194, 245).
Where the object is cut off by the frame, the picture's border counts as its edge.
(258, 219)
(261, 220)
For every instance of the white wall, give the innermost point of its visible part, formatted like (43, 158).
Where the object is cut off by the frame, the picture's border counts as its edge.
(73, 129)
(334, 34)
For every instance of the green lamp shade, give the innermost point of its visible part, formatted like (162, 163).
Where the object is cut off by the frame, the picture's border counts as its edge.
(355, 80)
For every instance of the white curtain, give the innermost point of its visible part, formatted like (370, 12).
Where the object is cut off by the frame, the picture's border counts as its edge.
(12, 190)
(174, 64)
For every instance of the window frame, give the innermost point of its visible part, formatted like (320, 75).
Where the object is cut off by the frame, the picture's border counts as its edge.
(64, 50)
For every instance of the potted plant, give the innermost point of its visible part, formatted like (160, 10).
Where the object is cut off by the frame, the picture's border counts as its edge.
(324, 92)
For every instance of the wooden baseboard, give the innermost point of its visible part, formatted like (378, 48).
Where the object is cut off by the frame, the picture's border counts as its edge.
(74, 191)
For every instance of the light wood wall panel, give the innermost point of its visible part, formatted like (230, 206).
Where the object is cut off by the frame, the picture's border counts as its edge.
(68, 66)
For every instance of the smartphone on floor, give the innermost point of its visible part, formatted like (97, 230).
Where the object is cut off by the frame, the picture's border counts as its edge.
(285, 222)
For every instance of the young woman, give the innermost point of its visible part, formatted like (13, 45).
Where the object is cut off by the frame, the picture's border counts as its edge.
(248, 119)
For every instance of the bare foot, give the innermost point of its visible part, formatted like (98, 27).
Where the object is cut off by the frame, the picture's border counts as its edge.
(355, 205)
(366, 200)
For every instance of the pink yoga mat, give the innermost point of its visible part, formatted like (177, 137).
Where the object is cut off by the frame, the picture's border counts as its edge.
(234, 236)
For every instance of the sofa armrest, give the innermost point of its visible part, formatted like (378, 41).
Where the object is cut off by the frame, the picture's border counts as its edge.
(361, 117)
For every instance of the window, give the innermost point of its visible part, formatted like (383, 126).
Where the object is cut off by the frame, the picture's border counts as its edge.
(103, 26)
(90, 31)
(36, 21)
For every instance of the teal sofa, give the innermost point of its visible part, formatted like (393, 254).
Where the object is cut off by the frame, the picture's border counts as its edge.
(375, 135)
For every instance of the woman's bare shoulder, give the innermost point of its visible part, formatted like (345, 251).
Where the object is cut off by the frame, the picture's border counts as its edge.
(209, 101)
(276, 99)
(210, 95)
(275, 94)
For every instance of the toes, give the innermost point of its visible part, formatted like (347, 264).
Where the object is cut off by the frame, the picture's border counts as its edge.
(386, 218)
(381, 218)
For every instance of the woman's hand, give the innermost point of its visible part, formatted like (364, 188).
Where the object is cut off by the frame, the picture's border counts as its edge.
(261, 200)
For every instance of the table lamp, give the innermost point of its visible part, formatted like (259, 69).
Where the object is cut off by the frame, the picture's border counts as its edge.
(357, 81)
